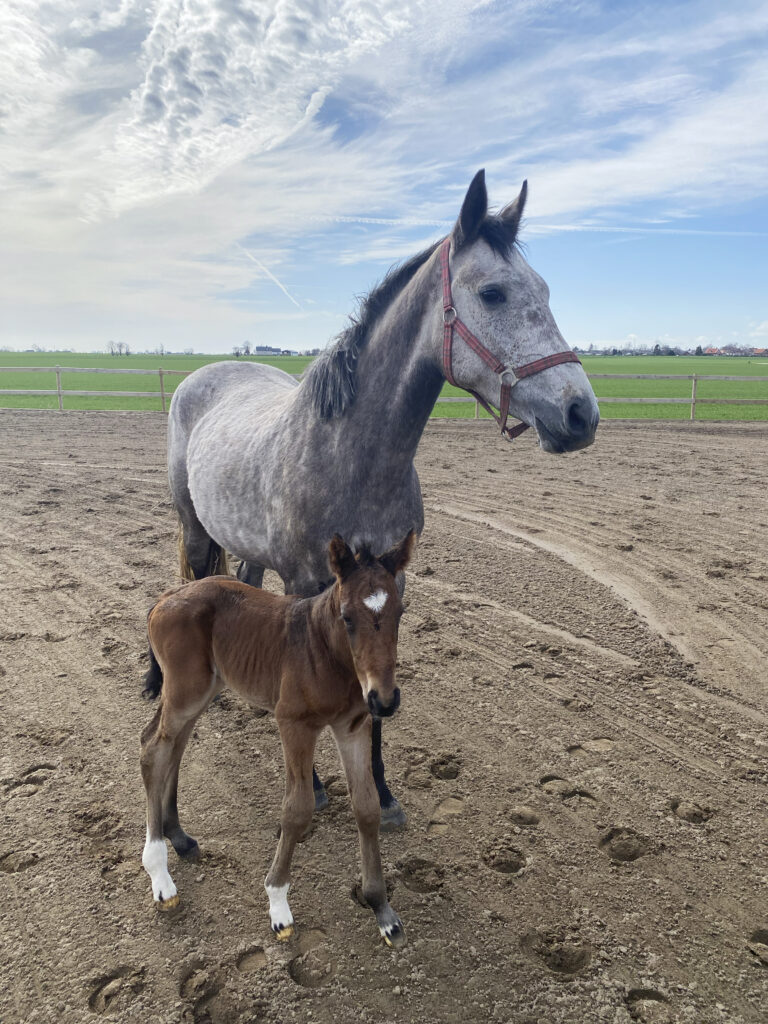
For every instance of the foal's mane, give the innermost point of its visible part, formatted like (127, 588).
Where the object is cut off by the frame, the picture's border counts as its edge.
(331, 380)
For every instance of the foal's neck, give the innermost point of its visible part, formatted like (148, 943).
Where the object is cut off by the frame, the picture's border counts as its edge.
(325, 622)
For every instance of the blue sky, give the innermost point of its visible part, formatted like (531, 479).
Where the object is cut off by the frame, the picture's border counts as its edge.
(195, 173)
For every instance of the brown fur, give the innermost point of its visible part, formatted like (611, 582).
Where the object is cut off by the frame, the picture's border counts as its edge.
(313, 662)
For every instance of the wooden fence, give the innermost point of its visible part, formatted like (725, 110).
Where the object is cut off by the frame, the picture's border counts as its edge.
(693, 401)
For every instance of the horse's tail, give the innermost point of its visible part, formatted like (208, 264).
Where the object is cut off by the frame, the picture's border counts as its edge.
(153, 677)
(218, 560)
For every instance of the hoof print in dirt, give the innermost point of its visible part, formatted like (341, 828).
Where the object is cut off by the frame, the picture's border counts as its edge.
(421, 875)
(12, 861)
(252, 960)
(559, 949)
(442, 814)
(506, 859)
(647, 1006)
(30, 781)
(115, 990)
(624, 845)
(96, 821)
(312, 969)
(572, 796)
(758, 946)
(688, 810)
(446, 767)
(523, 816)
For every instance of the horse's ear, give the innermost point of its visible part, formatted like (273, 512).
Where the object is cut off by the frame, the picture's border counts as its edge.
(473, 211)
(340, 556)
(398, 557)
(512, 214)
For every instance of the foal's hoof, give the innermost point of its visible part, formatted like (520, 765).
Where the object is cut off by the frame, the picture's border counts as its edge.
(393, 817)
(169, 904)
(190, 853)
(321, 799)
(284, 933)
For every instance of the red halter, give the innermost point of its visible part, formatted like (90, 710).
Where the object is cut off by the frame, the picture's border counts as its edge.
(451, 321)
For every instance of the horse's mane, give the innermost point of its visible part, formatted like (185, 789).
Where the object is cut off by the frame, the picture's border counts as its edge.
(331, 380)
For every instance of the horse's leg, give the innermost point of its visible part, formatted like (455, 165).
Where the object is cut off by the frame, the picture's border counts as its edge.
(156, 754)
(392, 814)
(199, 554)
(298, 750)
(185, 846)
(162, 744)
(354, 746)
(251, 573)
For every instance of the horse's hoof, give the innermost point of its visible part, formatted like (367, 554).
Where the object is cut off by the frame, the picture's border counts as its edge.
(392, 818)
(284, 933)
(321, 799)
(169, 904)
(191, 854)
(395, 937)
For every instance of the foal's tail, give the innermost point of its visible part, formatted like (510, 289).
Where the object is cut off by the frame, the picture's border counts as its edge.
(218, 560)
(153, 677)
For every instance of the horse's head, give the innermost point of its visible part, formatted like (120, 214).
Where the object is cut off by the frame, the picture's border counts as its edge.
(370, 607)
(505, 305)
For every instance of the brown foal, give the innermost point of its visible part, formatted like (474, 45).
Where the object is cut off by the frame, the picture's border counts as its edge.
(323, 661)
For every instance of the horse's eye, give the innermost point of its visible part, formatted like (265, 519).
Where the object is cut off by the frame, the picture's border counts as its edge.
(493, 296)
(347, 621)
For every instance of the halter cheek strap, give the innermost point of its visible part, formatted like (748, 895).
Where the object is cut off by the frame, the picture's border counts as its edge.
(509, 377)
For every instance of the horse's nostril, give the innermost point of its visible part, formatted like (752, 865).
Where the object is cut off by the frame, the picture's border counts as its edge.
(579, 418)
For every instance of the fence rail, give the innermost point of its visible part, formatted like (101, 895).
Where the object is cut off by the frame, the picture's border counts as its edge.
(693, 401)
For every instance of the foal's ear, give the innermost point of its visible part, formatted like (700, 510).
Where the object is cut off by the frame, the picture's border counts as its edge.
(398, 557)
(473, 211)
(512, 214)
(340, 557)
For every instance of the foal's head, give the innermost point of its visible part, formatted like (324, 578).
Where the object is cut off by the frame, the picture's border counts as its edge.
(370, 608)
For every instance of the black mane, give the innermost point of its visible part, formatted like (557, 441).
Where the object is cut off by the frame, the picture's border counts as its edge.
(331, 380)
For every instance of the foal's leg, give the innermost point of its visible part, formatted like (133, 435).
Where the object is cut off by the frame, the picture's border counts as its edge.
(162, 744)
(354, 746)
(185, 846)
(298, 750)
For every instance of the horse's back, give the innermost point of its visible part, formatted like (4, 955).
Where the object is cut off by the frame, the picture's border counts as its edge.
(215, 383)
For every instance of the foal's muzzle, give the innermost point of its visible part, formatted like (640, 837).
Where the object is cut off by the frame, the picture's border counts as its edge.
(380, 710)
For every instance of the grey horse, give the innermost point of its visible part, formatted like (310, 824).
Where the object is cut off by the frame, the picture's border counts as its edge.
(269, 469)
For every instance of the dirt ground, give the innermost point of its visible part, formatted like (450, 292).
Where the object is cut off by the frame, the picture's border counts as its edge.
(581, 748)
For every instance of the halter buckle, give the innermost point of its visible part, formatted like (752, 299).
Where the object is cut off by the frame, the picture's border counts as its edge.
(508, 371)
(449, 315)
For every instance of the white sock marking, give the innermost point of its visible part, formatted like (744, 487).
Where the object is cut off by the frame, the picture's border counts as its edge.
(279, 912)
(376, 601)
(155, 861)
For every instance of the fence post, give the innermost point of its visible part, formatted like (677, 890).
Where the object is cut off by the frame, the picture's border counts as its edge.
(162, 389)
(58, 388)
(477, 410)
(693, 397)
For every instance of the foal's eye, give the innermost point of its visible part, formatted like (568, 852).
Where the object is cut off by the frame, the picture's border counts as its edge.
(347, 621)
(493, 296)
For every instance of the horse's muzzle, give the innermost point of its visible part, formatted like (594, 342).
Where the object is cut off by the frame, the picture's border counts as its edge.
(570, 431)
(381, 710)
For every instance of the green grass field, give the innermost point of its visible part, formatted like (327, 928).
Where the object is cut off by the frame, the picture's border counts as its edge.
(25, 377)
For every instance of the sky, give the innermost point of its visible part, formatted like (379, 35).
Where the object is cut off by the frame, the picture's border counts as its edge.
(198, 173)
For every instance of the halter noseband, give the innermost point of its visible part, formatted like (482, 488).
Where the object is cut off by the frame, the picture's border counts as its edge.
(509, 377)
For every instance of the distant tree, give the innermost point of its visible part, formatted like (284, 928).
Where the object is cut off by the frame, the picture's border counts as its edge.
(189, 351)
(699, 351)
(246, 348)
(160, 349)
(237, 351)
(657, 349)
(112, 348)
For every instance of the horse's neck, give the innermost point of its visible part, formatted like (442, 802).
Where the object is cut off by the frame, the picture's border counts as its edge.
(399, 377)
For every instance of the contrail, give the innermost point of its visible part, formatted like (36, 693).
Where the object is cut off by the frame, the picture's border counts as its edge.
(269, 274)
